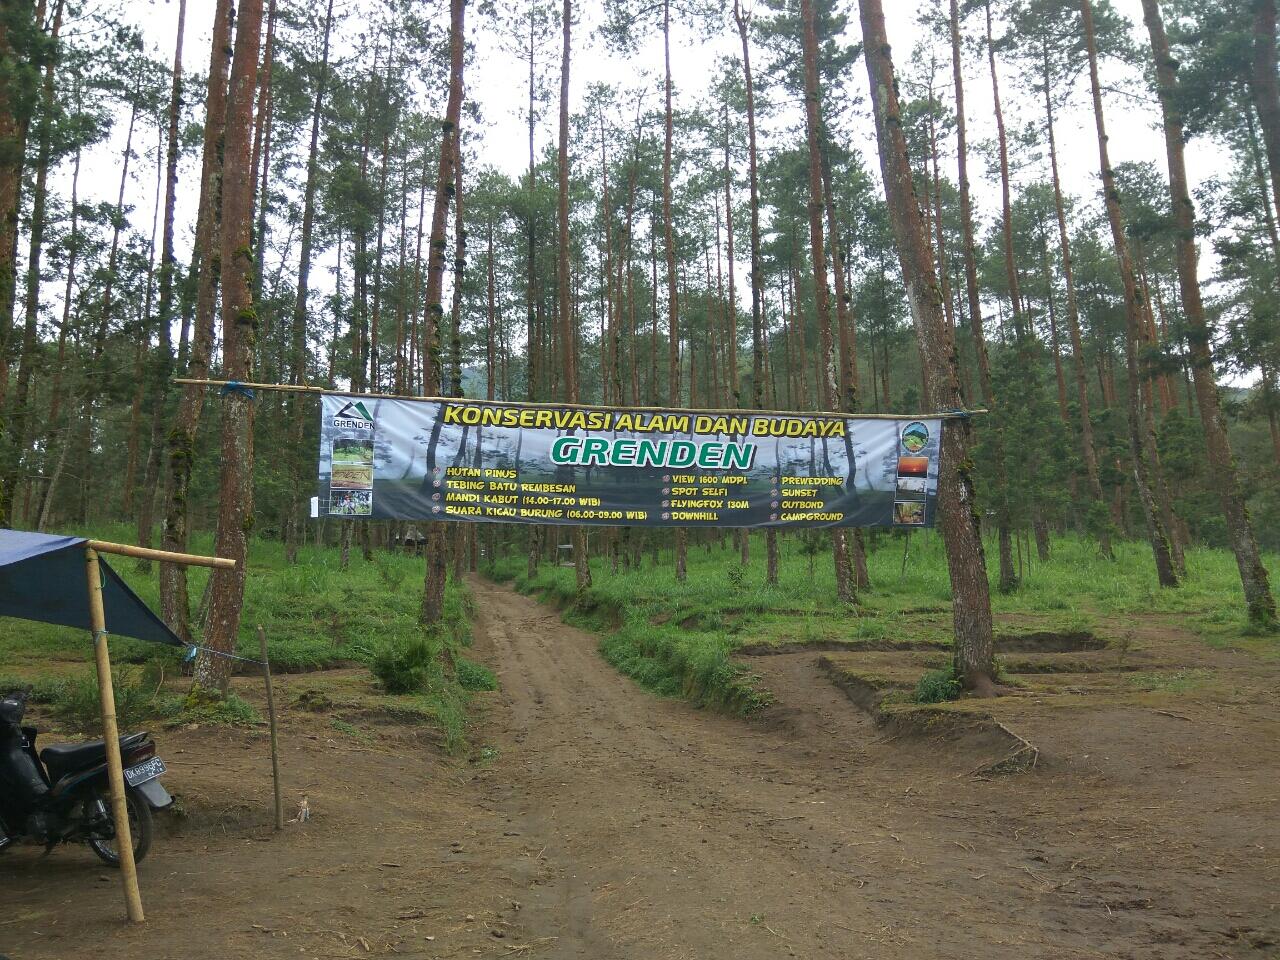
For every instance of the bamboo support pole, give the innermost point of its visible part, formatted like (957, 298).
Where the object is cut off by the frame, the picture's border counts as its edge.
(727, 411)
(164, 556)
(111, 737)
(271, 719)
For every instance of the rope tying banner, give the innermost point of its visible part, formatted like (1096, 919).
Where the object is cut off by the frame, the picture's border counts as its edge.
(236, 386)
(196, 648)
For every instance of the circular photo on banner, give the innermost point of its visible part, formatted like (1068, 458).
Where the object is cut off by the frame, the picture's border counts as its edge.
(915, 437)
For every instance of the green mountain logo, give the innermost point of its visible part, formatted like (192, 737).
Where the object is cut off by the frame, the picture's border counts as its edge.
(353, 414)
(915, 437)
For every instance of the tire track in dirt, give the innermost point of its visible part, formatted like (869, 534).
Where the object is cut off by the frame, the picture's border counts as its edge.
(657, 830)
(671, 832)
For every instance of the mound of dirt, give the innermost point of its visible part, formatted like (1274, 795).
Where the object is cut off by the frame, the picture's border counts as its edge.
(1047, 641)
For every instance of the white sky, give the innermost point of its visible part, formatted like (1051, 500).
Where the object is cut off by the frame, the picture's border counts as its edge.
(497, 82)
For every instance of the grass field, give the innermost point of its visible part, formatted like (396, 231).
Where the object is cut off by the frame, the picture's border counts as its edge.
(676, 639)
(315, 615)
(679, 639)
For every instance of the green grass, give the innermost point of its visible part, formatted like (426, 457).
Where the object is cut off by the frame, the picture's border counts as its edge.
(937, 686)
(315, 615)
(75, 701)
(678, 639)
(350, 730)
(1178, 681)
(475, 676)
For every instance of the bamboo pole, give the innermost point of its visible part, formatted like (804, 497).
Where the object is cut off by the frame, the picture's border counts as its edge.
(165, 556)
(271, 719)
(727, 411)
(111, 737)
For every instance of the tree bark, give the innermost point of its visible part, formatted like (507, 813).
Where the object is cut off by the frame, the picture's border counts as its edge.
(1141, 442)
(733, 382)
(14, 120)
(57, 391)
(1259, 602)
(827, 381)
(1088, 449)
(1006, 197)
(974, 655)
(239, 334)
(668, 239)
(757, 275)
(1008, 578)
(174, 600)
(142, 341)
(436, 547)
(582, 570)
(298, 322)
(1265, 89)
(13, 143)
(19, 418)
(162, 362)
(375, 322)
(262, 132)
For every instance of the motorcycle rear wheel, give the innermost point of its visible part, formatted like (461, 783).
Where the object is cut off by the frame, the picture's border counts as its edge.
(141, 827)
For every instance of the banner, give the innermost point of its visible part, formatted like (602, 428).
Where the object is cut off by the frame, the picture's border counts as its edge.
(397, 459)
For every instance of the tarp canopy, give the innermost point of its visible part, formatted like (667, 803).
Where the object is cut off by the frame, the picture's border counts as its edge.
(42, 578)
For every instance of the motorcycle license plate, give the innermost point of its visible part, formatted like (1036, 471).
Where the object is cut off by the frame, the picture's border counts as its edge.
(147, 770)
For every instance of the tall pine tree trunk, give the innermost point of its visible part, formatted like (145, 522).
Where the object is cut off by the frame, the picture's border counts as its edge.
(15, 118)
(174, 600)
(57, 391)
(239, 333)
(1006, 196)
(437, 544)
(958, 515)
(1265, 89)
(1253, 575)
(19, 419)
(13, 144)
(1141, 443)
(297, 407)
(848, 381)
(757, 274)
(162, 362)
(1088, 448)
(582, 571)
(668, 239)
(822, 297)
(1008, 577)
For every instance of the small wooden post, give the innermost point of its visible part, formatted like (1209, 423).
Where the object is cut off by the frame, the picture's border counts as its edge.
(271, 720)
(111, 735)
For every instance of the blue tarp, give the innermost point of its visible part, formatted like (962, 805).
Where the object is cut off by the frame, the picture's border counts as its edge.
(42, 578)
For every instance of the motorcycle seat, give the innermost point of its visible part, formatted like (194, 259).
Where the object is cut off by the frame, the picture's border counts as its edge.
(63, 758)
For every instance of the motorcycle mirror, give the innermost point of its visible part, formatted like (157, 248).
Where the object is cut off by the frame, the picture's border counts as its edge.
(11, 711)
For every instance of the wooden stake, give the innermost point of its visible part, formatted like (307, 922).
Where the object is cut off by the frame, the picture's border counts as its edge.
(111, 736)
(271, 719)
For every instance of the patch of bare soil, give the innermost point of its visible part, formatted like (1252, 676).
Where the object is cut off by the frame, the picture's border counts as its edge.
(603, 823)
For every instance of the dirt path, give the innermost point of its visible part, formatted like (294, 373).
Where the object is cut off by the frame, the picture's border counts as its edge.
(672, 832)
(600, 822)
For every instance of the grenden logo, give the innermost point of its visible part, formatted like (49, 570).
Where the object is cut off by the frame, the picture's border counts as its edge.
(353, 415)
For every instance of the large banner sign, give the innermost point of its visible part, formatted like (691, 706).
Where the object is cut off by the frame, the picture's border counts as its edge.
(538, 463)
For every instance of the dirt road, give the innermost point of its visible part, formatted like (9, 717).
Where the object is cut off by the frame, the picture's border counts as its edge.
(600, 822)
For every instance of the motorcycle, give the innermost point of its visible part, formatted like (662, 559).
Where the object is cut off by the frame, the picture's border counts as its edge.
(61, 794)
